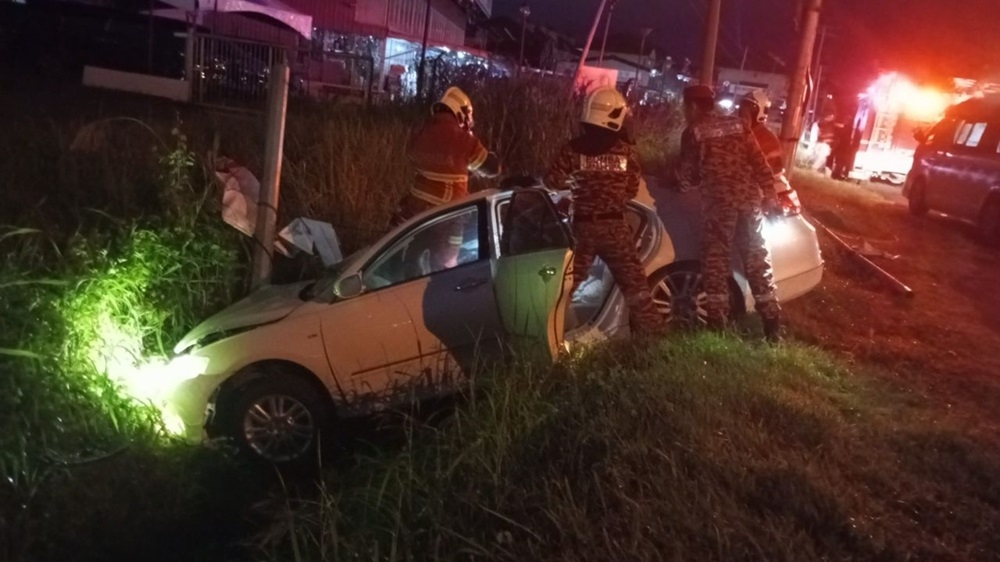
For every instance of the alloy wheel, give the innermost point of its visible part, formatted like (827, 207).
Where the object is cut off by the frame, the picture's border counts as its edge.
(278, 427)
(679, 297)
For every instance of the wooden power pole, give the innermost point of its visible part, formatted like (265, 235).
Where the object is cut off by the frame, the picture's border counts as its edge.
(711, 40)
(791, 126)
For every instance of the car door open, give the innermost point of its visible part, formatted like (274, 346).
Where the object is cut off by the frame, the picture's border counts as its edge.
(533, 272)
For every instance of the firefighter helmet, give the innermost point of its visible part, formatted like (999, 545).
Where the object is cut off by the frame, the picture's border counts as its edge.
(605, 107)
(757, 104)
(456, 102)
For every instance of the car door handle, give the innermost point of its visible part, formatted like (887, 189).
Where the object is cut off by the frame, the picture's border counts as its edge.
(471, 283)
(547, 272)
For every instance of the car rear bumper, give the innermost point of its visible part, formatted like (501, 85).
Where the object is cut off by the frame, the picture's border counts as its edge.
(798, 285)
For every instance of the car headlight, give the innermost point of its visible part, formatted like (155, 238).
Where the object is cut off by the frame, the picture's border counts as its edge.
(158, 378)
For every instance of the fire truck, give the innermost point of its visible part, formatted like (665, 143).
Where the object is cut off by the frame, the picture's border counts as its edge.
(889, 112)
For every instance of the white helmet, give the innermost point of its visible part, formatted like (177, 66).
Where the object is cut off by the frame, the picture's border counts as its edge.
(759, 104)
(458, 103)
(606, 108)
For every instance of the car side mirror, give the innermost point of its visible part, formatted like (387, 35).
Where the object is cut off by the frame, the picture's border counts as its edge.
(348, 287)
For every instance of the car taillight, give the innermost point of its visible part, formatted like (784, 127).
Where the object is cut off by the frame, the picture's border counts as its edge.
(789, 201)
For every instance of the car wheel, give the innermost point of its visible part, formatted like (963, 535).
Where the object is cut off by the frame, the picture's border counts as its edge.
(989, 222)
(278, 419)
(918, 199)
(679, 295)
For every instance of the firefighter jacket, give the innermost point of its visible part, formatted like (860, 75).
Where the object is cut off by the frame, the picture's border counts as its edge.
(721, 156)
(605, 171)
(770, 146)
(443, 154)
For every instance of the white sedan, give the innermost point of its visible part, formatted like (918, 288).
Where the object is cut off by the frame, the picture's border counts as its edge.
(384, 328)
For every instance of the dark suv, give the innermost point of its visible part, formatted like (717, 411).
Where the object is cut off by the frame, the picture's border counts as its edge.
(956, 168)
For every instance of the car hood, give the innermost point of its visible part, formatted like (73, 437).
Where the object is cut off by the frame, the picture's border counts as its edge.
(268, 304)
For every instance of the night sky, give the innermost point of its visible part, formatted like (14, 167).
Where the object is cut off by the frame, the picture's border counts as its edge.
(927, 39)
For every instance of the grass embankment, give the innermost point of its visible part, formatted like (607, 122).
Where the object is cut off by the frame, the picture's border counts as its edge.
(694, 448)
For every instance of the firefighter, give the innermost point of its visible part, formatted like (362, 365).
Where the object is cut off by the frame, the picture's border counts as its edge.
(444, 152)
(720, 156)
(753, 112)
(601, 167)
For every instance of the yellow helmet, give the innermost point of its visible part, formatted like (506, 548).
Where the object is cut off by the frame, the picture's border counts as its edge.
(458, 103)
(605, 107)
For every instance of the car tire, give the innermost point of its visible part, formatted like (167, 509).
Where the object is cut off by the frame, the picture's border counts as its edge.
(679, 296)
(989, 223)
(917, 199)
(278, 418)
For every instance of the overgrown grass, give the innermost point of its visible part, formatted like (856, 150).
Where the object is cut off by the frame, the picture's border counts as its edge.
(114, 248)
(698, 448)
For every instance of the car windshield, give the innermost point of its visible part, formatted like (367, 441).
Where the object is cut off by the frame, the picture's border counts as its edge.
(322, 288)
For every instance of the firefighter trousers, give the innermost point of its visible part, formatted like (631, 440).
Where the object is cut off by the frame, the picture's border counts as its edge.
(612, 241)
(724, 226)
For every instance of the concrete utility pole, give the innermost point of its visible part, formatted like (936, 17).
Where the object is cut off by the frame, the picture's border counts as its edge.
(711, 40)
(791, 127)
(267, 201)
(818, 73)
(586, 46)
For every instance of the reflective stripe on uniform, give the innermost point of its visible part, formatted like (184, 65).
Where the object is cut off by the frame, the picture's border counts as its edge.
(604, 163)
(455, 240)
(432, 199)
(443, 178)
(717, 299)
(481, 155)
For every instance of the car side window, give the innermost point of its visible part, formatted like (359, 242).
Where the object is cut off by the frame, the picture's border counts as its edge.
(439, 244)
(975, 135)
(530, 223)
(963, 132)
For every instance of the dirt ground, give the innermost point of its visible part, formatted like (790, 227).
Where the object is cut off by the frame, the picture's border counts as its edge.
(942, 344)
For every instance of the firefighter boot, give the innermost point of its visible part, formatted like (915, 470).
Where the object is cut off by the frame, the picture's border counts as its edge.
(772, 328)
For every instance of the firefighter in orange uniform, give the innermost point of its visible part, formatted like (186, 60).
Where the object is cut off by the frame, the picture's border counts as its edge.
(753, 111)
(444, 152)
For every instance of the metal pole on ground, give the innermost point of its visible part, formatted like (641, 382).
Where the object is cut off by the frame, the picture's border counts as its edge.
(267, 202)
(711, 40)
(791, 126)
(586, 46)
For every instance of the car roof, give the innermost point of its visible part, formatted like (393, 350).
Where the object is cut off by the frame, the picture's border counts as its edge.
(986, 108)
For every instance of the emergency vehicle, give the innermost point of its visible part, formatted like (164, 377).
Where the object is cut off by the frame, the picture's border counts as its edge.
(889, 112)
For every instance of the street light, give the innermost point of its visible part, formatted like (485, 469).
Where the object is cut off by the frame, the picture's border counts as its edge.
(607, 24)
(645, 31)
(525, 12)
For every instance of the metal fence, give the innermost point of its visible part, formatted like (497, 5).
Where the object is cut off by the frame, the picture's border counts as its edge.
(232, 72)
(235, 72)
